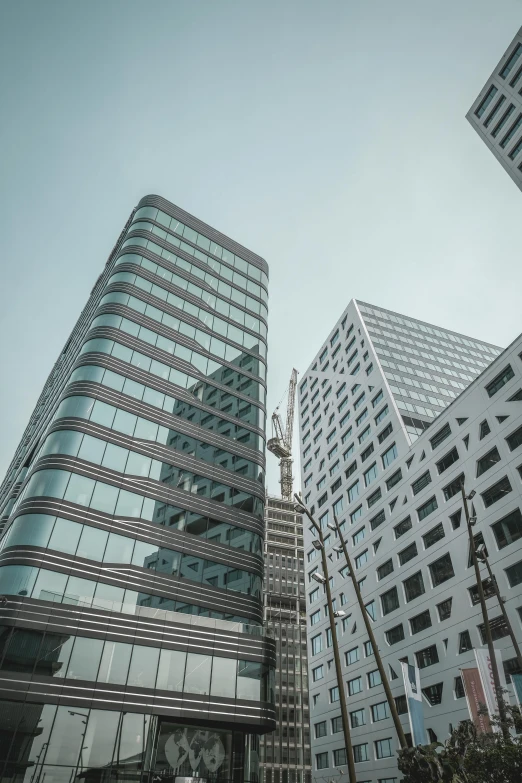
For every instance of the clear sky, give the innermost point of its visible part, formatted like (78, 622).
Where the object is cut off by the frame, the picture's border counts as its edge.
(329, 137)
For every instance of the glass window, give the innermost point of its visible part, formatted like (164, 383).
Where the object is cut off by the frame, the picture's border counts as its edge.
(171, 670)
(434, 535)
(488, 461)
(357, 718)
(514, 574)
(390, 601)
(360, 752)
(380, 711)
(115, 662)
(49, 586)
(374, 678)
(249, 680)
(85, 659)
(223, 681)
(441, 570)
(508, 529)
(383, 748)
(420, 622)
(143, 666)
(389, 455)
(320, 729)
(496, 492)
(479, 111)
(321, 760)
(414, 586)
(197, 673)
(427, 508)
(354, 686)
(395, 634)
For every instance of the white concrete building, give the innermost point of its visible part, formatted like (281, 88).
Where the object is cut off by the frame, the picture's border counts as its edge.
(394, 414)
(496, 114)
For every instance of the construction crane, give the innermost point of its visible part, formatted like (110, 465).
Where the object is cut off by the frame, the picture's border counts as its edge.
(280, 443)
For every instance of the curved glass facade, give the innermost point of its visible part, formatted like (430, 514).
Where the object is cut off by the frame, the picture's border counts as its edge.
(134, 524)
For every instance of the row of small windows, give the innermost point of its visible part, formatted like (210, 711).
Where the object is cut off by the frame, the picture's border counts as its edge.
(383, 749)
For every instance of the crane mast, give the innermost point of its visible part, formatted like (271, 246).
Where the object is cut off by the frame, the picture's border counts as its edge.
(280, 443)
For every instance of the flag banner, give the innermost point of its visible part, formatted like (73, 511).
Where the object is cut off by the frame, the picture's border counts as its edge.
(475, 698)
(517, 687)
(486, 675)
(412, 689)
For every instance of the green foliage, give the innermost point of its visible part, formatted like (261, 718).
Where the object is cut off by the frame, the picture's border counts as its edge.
(468, 757)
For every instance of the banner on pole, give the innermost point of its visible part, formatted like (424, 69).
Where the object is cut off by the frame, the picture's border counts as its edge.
(412, 689)
(486, 675)
(476, 699)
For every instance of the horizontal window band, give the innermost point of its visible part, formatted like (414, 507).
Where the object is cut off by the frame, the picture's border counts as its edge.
(195, 711)
(175, 250)
(125, 311)
(41, 621)
(167, 307)
(147, 623)
(139, 249)
(121, 342)
(158, 452)
(98, 391)
(140, 220)
(202, 228)
(145, 530)
(168, 387)
(154, 490)
(129, 579)
(117, 335)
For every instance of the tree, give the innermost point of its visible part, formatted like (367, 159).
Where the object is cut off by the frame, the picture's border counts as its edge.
(468, 757)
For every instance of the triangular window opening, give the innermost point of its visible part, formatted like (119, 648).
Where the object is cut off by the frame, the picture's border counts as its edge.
(409, 461)
(422, 456)
(392, 504)
(376, 544)
(393, 674)
(354, 628)
(460, 422)
(484, 429)
(445, 642)
(466, 441)
(500, 419)
(405, 500)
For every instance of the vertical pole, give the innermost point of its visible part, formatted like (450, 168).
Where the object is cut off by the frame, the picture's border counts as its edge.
(338, 670)
(487, 627)
(391, 701)
(504, 613)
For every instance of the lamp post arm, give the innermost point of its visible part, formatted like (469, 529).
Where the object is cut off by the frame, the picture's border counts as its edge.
(391, 701)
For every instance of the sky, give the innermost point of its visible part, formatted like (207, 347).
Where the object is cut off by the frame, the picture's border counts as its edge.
(330, 138)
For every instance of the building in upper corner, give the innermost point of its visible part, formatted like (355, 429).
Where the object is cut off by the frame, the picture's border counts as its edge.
(285, 752)
(394, 415)
(131, 562)
(496, 114)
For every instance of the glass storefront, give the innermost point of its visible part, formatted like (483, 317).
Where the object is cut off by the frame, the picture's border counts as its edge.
(42, 743)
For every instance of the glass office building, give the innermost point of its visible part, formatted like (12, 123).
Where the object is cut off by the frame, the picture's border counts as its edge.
(131, 559)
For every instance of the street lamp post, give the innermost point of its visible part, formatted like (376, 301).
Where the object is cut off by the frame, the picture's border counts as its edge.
(487, 627)
(482, 558)
(391, 701)
(340, 682)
